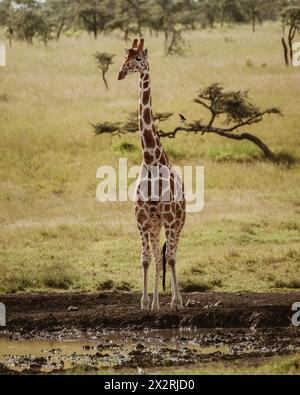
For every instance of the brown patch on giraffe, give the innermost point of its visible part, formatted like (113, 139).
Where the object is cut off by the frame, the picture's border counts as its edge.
(146, 85)
(148, 158)
(147, 116)
(157, 153)
(164, 161)
(149, 139)
(167, 207)
(146, 97)
(179, 217)
(178, 224)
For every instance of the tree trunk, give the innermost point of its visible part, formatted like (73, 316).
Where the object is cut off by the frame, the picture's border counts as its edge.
(104, 80)
(166, 34)
(61, 26)
(263, 147)
(292, 33)
(223, 133)
(246, 136)
(222, 18)
(95, 27)
(253, 22)
(286, 52)
(126, 35)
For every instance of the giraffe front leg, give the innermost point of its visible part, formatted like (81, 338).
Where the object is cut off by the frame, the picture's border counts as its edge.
(145, 302)
(158, 266)
(145, 260)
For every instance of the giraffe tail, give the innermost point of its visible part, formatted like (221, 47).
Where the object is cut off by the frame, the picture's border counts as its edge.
(164, 265)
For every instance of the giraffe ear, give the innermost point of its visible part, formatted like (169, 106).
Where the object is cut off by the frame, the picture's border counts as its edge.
(135, 43)
(145, 53)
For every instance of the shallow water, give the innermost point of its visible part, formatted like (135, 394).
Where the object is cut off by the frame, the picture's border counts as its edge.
(108, 350)
(138, 350)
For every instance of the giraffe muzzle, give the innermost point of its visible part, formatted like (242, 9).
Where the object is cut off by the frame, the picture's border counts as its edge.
(122, 75)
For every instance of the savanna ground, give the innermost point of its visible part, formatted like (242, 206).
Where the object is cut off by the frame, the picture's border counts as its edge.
(55, 236)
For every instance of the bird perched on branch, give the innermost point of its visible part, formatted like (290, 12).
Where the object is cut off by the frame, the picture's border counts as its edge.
(182, 118)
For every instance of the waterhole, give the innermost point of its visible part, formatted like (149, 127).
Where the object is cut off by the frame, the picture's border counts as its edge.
(140, 350)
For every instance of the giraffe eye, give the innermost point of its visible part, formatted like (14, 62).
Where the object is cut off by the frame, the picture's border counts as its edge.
(138, 58)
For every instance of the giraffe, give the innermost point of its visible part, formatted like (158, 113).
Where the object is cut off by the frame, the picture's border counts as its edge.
(164, 208)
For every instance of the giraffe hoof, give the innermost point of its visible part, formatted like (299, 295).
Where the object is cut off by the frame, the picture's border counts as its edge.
(145, 305)
(155, 308)
(177, 305)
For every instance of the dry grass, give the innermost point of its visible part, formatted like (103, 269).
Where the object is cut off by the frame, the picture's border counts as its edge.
(53, 232)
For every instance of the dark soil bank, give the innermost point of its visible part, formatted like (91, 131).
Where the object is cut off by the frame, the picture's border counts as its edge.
(30, 314)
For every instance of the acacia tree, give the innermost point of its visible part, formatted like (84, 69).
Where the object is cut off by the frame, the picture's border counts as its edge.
(236, 111)
(291, 20)
(7, 19)
(104, 61)
(62, 13)
(233, 111)
(175, 17)
(27, 21)
(95, 15)
(130, 16)
(232, 11)
(210, 11)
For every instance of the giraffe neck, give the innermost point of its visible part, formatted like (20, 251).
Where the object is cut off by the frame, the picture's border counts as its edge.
(153, 152)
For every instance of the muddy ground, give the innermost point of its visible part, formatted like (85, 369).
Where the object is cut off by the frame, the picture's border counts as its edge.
(110, 332)
(55, 312)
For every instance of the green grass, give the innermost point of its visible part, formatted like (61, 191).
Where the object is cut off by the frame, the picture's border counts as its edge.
(286, 365)
(270, 366)
(54, 234)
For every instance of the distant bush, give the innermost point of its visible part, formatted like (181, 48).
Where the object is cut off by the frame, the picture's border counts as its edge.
(194, 285)
(293, 284)
(127, 147)
(58, 276)
(286, 159)
(110, 285)
(106, 285)
(124, 286)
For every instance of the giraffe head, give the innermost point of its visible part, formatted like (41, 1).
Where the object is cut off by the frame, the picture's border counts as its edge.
(136, 59)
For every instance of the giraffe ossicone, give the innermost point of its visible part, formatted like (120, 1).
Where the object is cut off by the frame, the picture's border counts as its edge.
(166, 207)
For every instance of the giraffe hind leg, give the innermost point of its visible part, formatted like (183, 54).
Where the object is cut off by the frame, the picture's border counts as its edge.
(172, 242)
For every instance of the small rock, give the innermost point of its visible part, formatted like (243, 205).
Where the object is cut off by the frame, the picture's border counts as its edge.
(86, 347)
(72, 308)
(140, 347)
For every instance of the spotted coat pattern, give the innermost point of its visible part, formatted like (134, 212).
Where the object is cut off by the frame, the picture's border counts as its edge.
(154, 212)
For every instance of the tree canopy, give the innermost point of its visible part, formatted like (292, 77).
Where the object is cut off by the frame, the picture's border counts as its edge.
(46, 20)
